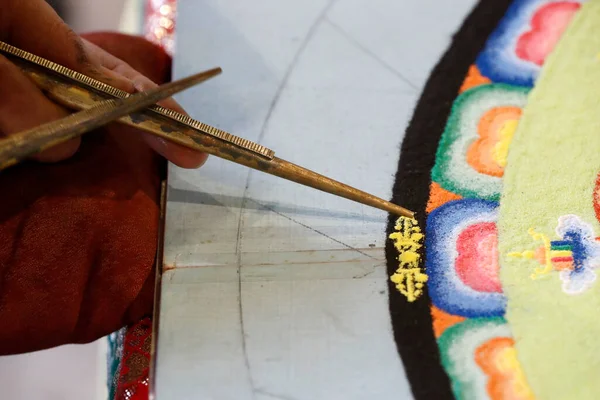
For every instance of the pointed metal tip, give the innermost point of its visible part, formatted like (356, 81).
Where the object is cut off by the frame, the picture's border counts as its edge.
(401, 211)
(169, 89)
(192, 80)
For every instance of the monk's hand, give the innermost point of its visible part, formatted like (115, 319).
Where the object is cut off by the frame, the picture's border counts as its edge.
(34, 26)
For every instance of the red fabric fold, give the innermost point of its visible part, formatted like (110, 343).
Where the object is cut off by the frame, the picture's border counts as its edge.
(78, 238)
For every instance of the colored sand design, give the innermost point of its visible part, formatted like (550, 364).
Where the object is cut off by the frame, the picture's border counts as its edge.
(549, 187)
(474, 154)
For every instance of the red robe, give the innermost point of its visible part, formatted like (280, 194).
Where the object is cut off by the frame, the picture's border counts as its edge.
(78, 238)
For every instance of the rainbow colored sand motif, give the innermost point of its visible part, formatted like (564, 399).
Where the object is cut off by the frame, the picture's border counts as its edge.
(469, 301)
(409, 278)
(479, 356)
(575, 255)
(464, 282)
(471, 155)
(549, 185)
(516, 51)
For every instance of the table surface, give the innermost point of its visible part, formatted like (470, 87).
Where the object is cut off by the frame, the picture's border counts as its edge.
(273, 290)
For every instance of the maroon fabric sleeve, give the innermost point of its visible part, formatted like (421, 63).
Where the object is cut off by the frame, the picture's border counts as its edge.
(78, 238)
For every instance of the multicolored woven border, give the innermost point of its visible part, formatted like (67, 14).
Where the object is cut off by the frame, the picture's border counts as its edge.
(129, 361)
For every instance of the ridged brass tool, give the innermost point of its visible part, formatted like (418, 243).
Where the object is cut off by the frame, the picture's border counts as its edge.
(80, 92)
(17, 147)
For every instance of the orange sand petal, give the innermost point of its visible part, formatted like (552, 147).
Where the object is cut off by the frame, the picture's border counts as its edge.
(439, 196)
(506, 380)
(442, 320)
(480, 154)
(474, 78)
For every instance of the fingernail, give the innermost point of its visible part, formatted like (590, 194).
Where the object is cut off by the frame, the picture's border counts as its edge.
(160, 145)
(141, 85)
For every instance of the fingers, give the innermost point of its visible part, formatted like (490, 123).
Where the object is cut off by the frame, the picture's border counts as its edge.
(34, 26)
(24, 106)
(110, 67)
(181, 156)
